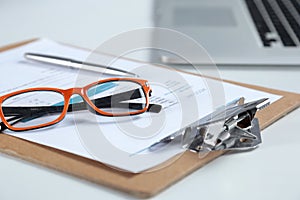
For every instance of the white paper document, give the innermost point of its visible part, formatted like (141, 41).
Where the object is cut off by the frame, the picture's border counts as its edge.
(114, 141)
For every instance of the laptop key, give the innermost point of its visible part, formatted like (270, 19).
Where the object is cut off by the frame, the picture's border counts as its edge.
(296, 4)
(284, 35)
(294, 23)
(260, 23)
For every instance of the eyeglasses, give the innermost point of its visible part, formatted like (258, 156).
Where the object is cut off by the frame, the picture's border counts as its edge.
(41, 107)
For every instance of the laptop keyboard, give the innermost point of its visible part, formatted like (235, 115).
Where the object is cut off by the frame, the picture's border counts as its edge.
(277, 21)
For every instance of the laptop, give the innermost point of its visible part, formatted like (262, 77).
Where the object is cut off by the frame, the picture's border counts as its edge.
(235, 32)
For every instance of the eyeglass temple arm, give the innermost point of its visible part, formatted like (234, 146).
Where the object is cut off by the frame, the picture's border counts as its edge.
(117, 101)
(17, 118)
(27, 113)
(40, 111)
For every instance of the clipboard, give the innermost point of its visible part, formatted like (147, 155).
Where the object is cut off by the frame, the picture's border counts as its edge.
(142, 185)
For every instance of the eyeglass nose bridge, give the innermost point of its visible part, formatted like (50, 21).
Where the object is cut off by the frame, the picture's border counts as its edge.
(77, 91)
(68, 93)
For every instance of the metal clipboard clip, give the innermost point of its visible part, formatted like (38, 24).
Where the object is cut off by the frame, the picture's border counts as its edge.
(232, 127)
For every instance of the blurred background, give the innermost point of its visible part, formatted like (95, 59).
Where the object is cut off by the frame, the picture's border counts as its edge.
(82, 23)
(89, 23)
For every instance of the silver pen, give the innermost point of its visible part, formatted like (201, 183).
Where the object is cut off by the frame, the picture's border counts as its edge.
(67, 62)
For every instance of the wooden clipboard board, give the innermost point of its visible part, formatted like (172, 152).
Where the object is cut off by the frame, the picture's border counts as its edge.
(142, 184)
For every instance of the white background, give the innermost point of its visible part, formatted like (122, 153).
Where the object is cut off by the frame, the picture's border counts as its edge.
(270, 172)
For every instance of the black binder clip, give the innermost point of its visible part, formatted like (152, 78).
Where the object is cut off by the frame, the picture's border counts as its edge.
(232, 127)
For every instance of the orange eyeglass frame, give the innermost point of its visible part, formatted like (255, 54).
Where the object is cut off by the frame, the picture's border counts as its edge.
(67, 94)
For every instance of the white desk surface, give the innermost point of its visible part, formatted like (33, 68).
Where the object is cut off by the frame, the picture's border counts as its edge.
(270, 172)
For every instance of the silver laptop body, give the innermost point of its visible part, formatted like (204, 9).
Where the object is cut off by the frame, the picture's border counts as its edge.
(235, 32)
